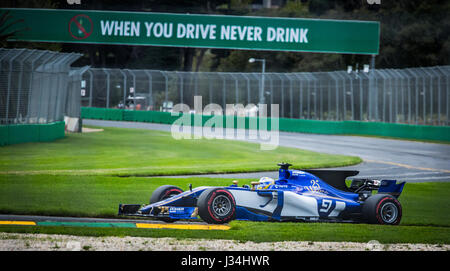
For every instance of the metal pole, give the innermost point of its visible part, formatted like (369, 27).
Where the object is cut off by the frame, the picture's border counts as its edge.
(332, 74)
(271, 90)
(282, 93)
(291, 97)
(424, 101)
(439, 99)
(248, 87)
(124, 86)
(91, 84)
(108, 88)
(261, 93)
(236, 90)
(210, 90)
(300, 96)
(31, 83)
(224, 102)
(9, 83)
(180, 76)
(344, 95)
(134, 87)
(166, 91)
(416, 115)
(416, 79)
(19, 88)
(391, 96)
(401, 88)
(195, 83)
(150, 89)
(60, 62)
(329, 101)
(40, 87)
(373, 93)
(409, 100)
(257, 77)
(352, 99)
(315, 95)
(320, 99)
(431, 75)
(446, 75)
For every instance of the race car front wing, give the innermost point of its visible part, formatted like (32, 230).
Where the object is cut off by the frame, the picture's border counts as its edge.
(173, 212)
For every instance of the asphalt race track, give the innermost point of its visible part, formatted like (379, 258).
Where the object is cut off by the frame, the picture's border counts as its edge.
(402, 160)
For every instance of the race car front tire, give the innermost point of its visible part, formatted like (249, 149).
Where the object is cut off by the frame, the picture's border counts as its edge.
(382, 209)
(165, 192)
(216, 206)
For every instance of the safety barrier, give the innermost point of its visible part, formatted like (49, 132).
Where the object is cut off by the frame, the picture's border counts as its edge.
(412, 95)
(405, 131)
(22, 133)
(396, 130)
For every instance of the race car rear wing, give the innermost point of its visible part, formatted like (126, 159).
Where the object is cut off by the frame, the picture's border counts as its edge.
(391, 187)
(336, 178)
(382, 186)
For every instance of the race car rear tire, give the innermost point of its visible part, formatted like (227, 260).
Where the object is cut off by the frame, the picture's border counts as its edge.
(216, 206)
(382, 209)
(165, 192)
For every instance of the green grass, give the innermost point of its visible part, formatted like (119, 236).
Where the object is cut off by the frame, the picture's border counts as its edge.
(117, 151)
(242, 231)
(425, 215)
(78, 176)
(93, 196)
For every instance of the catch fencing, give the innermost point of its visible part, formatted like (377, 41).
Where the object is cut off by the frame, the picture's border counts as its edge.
(412, 96)
(34, 86)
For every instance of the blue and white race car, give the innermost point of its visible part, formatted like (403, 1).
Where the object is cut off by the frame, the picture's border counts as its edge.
(297, 195)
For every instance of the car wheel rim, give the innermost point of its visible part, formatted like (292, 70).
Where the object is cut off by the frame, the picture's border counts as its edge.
(389, 212)
(221, 205)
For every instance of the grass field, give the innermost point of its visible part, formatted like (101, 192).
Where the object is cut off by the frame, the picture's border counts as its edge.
(99, 196)
(117, 151)
(79, 176)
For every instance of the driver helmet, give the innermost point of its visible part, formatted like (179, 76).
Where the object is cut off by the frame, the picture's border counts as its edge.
(265, 182)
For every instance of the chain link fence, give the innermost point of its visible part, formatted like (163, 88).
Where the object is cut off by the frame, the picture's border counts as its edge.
(413, 96)
(34, 85)
(40, 87)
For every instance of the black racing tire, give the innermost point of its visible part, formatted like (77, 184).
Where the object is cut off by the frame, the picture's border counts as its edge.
(382, 209)
(216, 206)
(165, 192)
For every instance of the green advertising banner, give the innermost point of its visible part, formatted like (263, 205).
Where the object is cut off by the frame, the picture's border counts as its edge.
(193, 30)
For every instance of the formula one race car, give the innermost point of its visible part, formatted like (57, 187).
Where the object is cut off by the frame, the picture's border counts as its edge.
(308, 195)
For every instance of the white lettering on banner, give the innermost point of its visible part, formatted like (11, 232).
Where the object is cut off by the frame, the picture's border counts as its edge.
(196, 31)
(122, 28)
(280, 34)
(159, 29)
(234, 32)
(118, 28)
(203, 31)
(107, 27)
